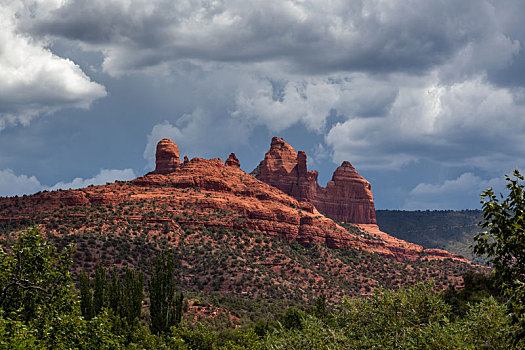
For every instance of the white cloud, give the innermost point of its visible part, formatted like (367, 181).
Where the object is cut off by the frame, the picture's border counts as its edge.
(12, 184)
(33, 80)
(469, 123)
(387, 83)
(461, 193)
(199, 134)
(280, 103)
(103, 177)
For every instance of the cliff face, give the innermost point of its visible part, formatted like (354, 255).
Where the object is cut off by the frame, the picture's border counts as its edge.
(347, 197)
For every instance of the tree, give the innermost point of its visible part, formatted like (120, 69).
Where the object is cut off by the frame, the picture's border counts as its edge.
(86, 297)
(35, 278)
(99, 288)
(113, 293)
(132, 295)
(503, 242)
(38, 306)
(165, 305)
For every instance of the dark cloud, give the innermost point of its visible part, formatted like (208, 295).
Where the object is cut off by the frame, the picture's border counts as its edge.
(373, 36)
(392, 86)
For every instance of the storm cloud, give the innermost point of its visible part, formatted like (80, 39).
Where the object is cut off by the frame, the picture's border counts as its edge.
(392, 86)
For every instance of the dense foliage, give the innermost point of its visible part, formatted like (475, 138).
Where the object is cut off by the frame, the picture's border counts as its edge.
(41, 310)
(503, 242)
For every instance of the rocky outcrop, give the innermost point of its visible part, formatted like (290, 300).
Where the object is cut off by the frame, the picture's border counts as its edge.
(167, 157)
(233, 161)
(347, 197)
(208, 193)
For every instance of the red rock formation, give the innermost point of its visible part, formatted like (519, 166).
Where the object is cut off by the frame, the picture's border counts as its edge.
(233, 161)
(347, 197)
(203, 193)
(167, 157)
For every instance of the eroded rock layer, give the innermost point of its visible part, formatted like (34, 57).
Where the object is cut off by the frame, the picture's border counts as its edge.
(347, 197)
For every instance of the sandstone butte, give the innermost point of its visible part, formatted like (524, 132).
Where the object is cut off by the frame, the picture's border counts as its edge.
(346, 198)
(196, 190)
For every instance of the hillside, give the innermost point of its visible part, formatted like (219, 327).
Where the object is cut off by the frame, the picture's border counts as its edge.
(232, 235)
(444, 229)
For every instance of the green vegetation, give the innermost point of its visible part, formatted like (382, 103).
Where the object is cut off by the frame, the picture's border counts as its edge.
(503, 243)
(352, 299)
(166, 305)
(40, 309)
(450, 230)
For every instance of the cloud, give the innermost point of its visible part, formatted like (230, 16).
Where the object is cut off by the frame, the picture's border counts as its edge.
(279, 104)
(200, 133)
(461, 193)
(470, 123)
(12, 184)
(103, 177)
(387, 84)
(309, 35)
(33, 80)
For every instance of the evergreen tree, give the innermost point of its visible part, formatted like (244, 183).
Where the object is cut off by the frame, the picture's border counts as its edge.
(166, 306)
(86, 297)
(99, 288)
(113, 293)
(132, 295)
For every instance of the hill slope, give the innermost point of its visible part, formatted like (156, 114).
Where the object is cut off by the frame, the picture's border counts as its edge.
(444, 229)
(231, 233)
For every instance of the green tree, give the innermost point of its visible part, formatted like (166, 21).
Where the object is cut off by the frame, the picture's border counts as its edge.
(100, 285)
(503, 242)
(165, 305)
(132, 295)
(113, 293)
(35, 277)
(38, 306)
(86, 297)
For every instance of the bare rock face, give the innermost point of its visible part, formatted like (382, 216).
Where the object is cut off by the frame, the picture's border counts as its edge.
(233, 161)
(347, 197)
(167, 157)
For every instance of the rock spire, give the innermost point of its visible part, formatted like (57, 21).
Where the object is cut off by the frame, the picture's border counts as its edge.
(347, 197)
(167, 157)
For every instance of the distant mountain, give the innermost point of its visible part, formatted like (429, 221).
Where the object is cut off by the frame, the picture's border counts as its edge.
(231, 234)
(444, 229)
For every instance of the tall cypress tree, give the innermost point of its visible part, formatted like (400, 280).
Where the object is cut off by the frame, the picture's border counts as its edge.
(99, 288)
(132, 295)
(86, 297)
(113, 293)
(164, 308)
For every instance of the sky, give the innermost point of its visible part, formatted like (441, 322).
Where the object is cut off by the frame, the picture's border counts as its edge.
(425, 98)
